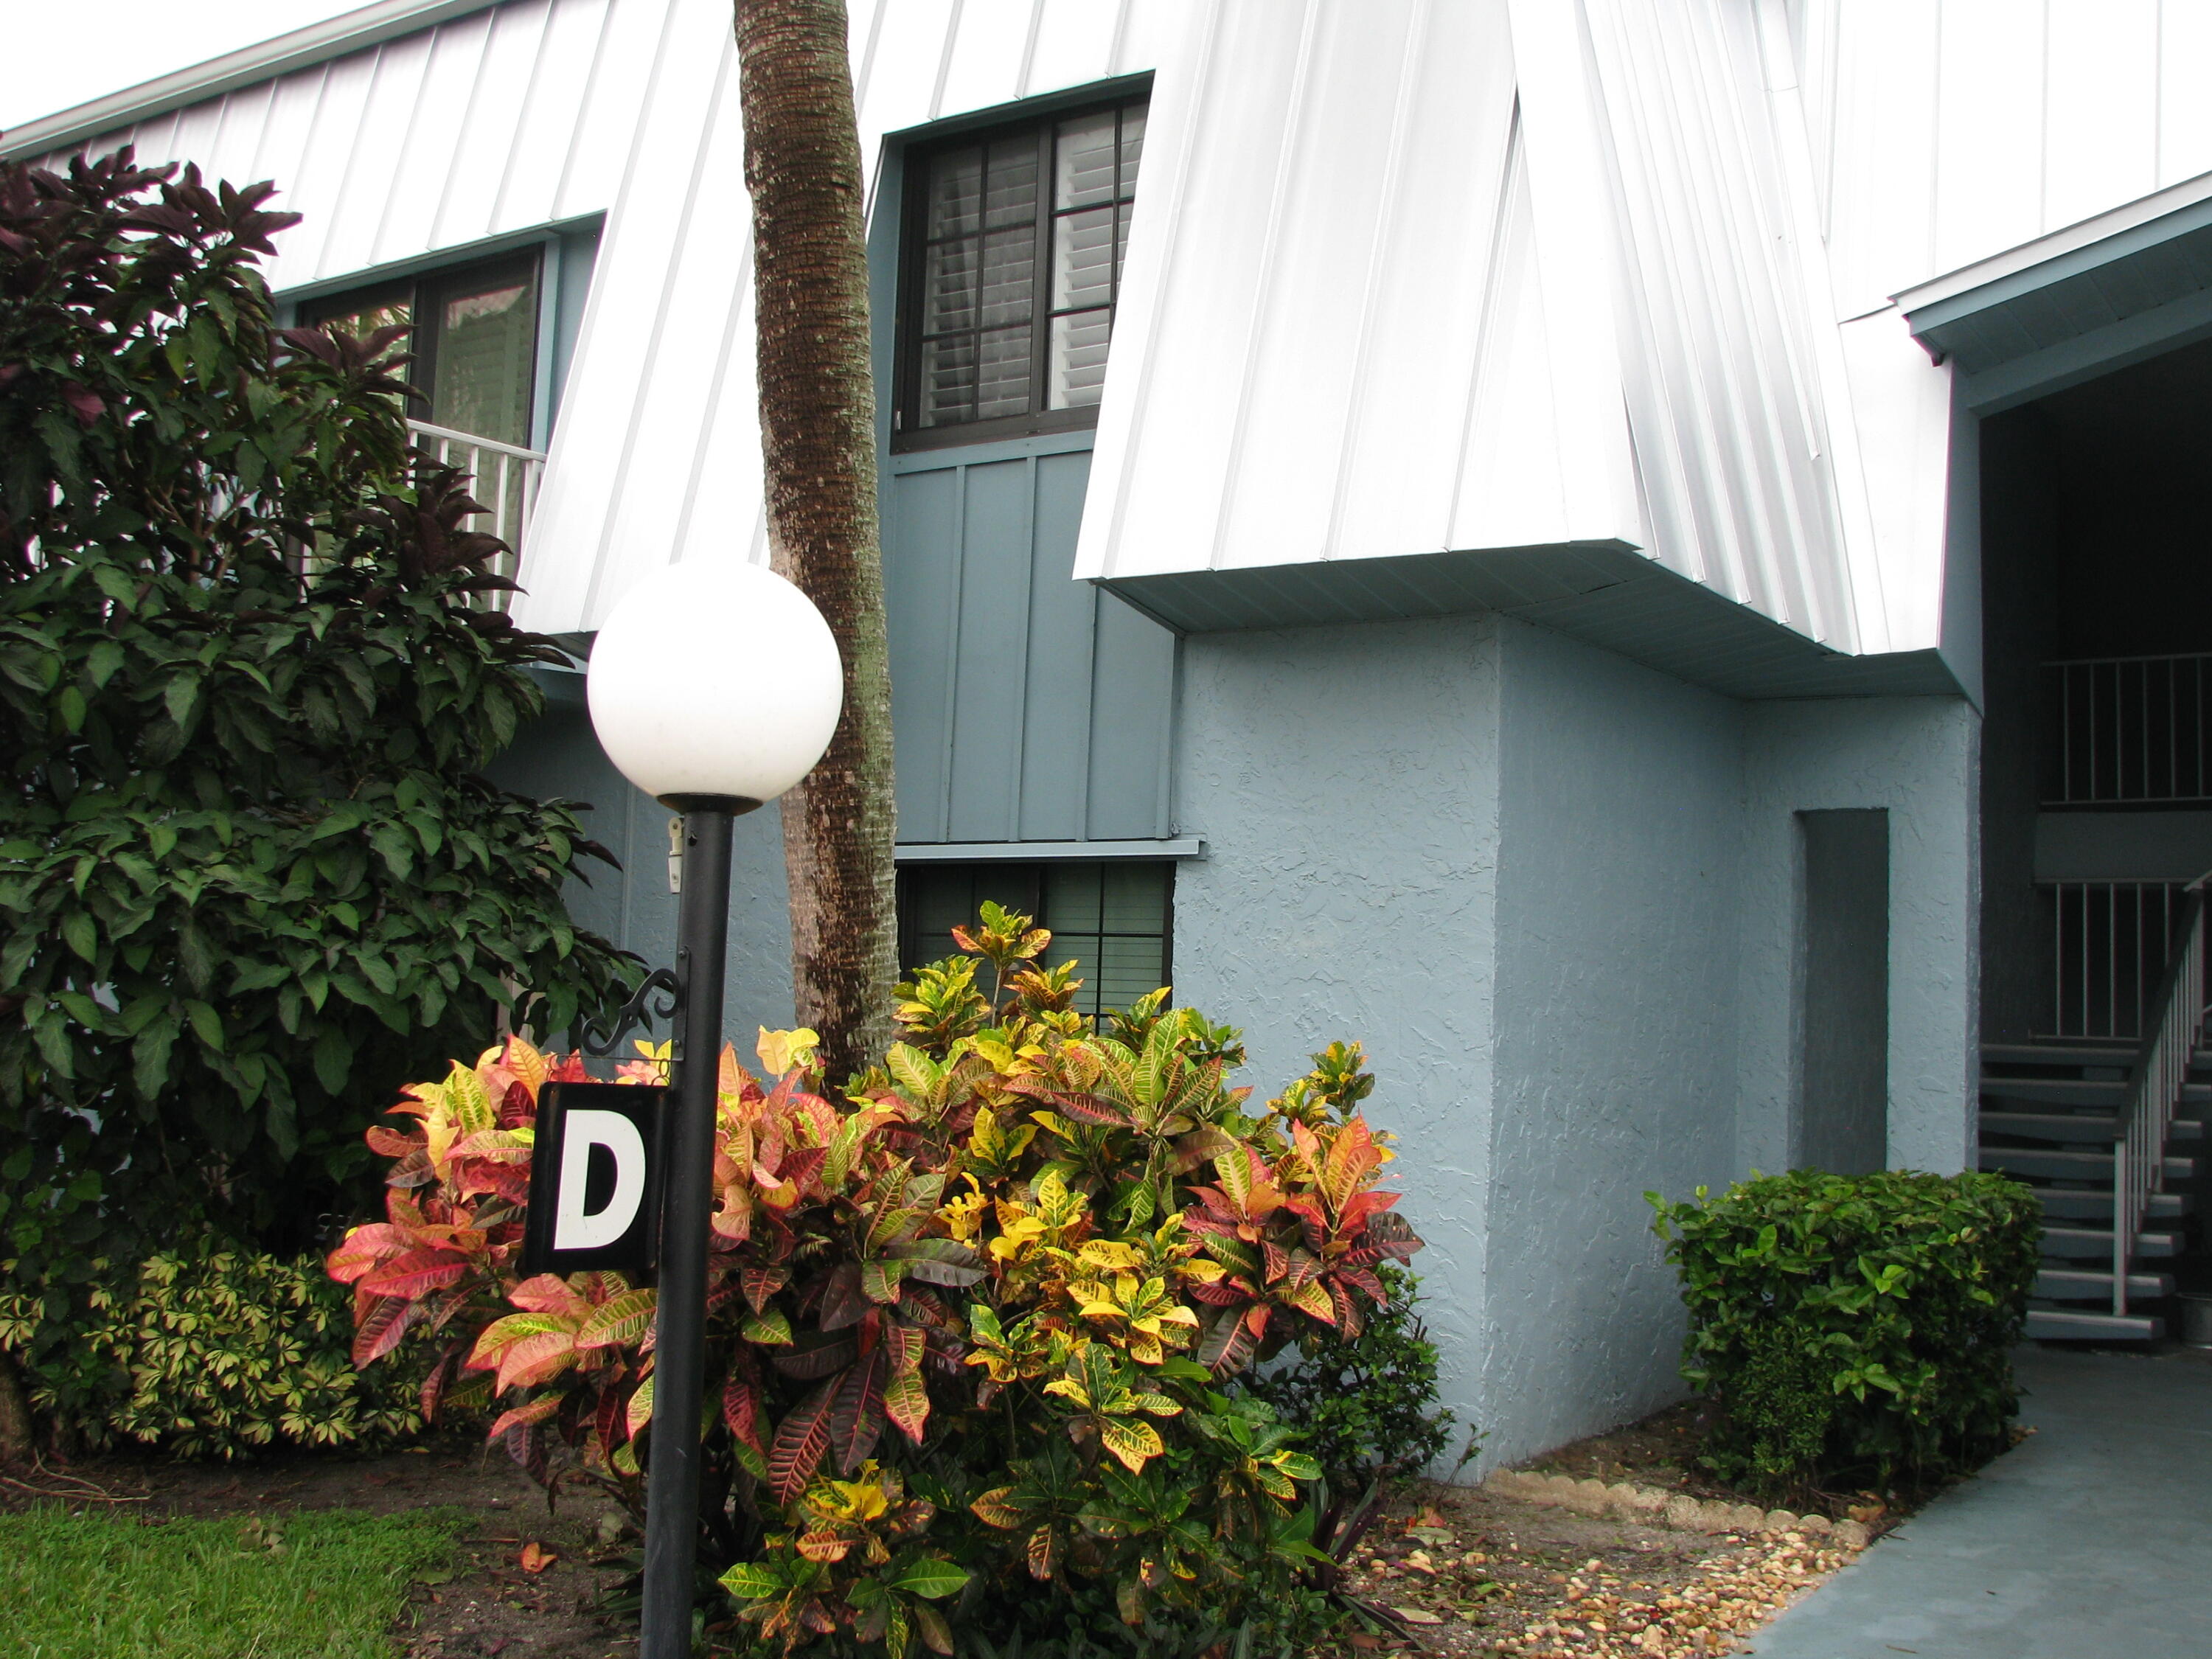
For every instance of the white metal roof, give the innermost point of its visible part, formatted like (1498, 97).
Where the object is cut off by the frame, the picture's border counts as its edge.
(1406, 276)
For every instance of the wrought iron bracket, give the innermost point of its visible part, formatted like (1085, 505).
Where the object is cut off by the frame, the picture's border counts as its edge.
(601, 1035)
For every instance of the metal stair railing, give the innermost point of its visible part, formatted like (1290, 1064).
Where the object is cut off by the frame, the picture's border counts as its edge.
(2162, 1070)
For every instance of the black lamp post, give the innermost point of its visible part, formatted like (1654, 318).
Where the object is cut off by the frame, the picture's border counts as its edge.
(714, 688)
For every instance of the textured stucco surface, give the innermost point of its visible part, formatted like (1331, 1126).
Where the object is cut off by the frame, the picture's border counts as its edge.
(558, 755)
(1914, 756)
(1615, 1063)
(1347, 781)
(1556, 895)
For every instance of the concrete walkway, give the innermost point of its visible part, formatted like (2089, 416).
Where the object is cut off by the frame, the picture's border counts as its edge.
(2091, 1541)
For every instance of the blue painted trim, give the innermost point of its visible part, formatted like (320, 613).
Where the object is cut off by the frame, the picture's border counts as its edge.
(1006, 449)
(978, 852)
(1025, 109)
(2146, 334)
(462, 254)
(1605, 593)
(563, 687)
(2081, 262)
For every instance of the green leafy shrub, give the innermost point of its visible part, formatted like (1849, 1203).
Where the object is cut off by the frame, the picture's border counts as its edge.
(222, 1351)
(973, 1317)
(1364, 1406)
(247, 866)
(1854, 1330)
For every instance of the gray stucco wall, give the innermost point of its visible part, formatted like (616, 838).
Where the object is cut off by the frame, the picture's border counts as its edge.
(1914, 756)
(1555, 895)
(1615, 1052)
(1553, 892)
(1347, 781)
(558, 755)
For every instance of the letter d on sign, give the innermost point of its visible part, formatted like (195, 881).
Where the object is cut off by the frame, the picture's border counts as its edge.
(579, 1219)
(574, 1227)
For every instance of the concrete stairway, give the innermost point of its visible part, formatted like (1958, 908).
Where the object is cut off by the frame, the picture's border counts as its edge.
(2049, 1117)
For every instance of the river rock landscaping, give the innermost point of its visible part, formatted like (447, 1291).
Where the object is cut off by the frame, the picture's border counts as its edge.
(1506, 1569)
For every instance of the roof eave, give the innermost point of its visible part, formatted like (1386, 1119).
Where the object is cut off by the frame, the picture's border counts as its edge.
(334, 37)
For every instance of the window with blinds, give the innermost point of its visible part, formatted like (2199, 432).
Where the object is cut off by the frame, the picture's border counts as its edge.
(1015, 241)
(1112, 919)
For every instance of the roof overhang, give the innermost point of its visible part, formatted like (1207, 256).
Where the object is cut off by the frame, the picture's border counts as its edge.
(2080, 302)
(1605, 593)
(334, 37)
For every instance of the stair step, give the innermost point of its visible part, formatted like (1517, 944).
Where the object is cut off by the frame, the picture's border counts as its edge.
(2054, 1165)
(2056, 1091)
(2077, 1126)
(2089, 1202)
(2075, 1091)
(2097, 1241)
(2075, 1285)
(2055, 1053)
(2057, 1325)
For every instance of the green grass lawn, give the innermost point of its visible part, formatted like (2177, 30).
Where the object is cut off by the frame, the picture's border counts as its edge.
(101, 1585)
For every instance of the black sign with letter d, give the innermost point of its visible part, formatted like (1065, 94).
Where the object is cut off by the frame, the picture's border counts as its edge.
(594, 1178)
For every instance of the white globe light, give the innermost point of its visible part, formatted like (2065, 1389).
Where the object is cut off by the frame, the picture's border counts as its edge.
(715, 683)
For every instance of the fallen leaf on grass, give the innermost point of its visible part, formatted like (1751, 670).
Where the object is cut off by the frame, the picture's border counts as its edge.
(536, 1557)
(1419, 1615)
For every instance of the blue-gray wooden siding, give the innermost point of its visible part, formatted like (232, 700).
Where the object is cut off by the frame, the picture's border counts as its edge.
(1027, 706)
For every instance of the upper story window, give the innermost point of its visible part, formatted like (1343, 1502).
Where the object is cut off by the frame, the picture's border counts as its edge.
(1012, 272)
(473, 333)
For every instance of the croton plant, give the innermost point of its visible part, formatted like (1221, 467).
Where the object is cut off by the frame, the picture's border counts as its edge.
(972, 1317)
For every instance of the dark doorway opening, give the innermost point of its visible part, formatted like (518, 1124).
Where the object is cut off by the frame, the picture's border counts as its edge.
(1843, 1094)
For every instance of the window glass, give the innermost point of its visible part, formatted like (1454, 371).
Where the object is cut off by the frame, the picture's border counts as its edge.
(474, 343)
(487, 358)
(1112, 919)
(364, 313)
(1013, 289)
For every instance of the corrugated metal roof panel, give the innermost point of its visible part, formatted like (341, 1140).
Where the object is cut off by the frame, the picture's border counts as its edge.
(1406, 277)
(1420, 277)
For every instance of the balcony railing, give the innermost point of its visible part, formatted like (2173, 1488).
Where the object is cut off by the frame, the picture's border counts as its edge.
(504, 477)
(2129, 730)
(2110, 943)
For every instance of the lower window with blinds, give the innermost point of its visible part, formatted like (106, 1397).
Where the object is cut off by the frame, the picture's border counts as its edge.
(1113, 920)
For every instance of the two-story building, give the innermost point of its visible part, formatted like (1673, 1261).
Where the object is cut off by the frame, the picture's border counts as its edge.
(1638, 557)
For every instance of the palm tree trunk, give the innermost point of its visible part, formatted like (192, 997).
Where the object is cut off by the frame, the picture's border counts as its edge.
(818, 438)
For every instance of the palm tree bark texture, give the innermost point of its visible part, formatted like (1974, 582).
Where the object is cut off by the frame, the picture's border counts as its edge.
(817, 406)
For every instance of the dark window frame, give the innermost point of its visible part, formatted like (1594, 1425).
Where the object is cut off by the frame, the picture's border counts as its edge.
(907, 432)
(426, 290)
(1028, 875)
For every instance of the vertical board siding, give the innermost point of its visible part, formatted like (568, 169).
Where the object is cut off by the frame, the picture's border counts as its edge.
(1063, 646)
(1027, 706)
(1131, 725)
(921, 598)
(990, 666)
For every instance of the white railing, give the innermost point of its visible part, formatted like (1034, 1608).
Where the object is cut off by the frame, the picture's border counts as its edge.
(503, 476)
(2109, 944)
(2162, 1070)
(2129, 729)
